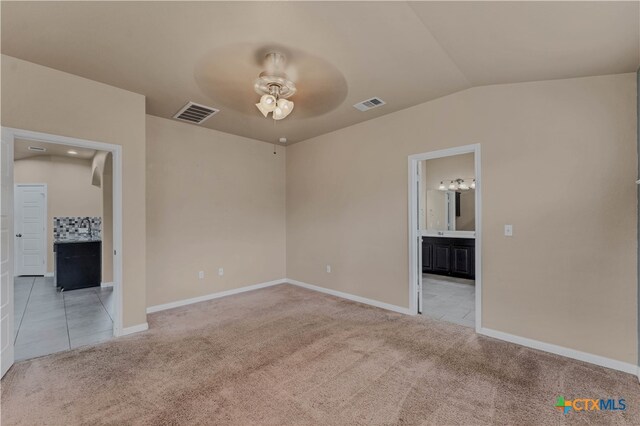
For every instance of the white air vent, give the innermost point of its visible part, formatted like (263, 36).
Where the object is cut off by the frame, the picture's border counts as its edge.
(37, 149)
(195, 113)
(369, 104)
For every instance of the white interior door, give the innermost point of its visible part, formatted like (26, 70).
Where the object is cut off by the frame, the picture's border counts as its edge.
(30, 229)
(420, 195)
(6, 253)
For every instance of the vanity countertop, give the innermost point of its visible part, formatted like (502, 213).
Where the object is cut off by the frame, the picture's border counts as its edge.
(448, 234)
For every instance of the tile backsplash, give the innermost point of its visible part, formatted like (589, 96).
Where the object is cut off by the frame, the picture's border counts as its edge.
(68, 227)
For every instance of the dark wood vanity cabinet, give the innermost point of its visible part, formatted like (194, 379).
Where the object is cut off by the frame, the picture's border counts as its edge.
(449, 256)
(78, 264)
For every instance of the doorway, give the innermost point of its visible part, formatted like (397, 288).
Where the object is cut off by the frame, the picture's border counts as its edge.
(445, 237)
(83, 228)
(30, 229)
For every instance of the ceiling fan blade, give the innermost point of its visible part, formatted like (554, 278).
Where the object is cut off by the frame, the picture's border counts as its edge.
(226, 75)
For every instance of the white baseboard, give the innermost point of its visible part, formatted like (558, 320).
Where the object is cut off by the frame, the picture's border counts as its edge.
(560, 350)
(352, 297)
(105, 285)
(133, 329)
(523, 341)
(212, 296)
(48, 274)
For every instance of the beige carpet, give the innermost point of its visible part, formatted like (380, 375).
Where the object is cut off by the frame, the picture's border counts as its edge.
(285, 355)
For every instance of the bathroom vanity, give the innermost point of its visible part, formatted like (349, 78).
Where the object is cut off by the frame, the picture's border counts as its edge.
(454, 257)
(77, 263)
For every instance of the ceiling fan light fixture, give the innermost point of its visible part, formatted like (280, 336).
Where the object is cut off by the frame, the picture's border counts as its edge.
(278, 114)
(274, 87)
(268, 102)
(286, 106)
(262, 110)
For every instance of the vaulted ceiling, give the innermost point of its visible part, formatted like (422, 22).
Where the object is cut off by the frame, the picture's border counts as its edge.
(342, 52)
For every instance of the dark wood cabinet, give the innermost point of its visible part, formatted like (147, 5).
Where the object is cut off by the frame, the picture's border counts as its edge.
(454, 257)
(427, 255)
(441, 257)
(78, 264)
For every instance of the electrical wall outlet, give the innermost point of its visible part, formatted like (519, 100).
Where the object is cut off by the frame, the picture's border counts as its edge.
(328, 269)
(508, 230)
(201, 275)
(220, 271)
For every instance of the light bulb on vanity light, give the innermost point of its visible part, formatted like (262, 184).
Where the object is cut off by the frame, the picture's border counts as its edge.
(453, 186)
(473, 184)
(442, 187)
(463, 186)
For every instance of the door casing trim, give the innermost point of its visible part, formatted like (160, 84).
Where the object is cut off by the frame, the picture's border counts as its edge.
(414, 231)
(10, 134)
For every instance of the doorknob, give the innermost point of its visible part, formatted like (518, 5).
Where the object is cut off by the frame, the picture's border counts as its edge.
(18, 235)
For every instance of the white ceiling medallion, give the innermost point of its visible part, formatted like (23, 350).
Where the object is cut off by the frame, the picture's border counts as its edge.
(275, 87)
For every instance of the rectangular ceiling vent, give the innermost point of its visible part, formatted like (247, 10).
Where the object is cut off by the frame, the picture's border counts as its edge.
(369, 104)
(37, 149)
(195, 113)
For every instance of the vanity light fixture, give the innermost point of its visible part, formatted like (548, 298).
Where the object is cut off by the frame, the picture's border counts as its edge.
(457, 184)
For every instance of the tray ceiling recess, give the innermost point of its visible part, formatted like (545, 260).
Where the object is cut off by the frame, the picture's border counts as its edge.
(227, 74)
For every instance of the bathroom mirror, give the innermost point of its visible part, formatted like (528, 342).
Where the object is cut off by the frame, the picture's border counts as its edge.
(450, 210)
(447, 194)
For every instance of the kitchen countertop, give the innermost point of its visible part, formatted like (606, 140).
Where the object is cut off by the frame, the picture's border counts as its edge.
(78, 240)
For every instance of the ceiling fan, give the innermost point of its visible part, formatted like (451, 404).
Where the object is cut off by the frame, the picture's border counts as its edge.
(231, 75)
(275, 87)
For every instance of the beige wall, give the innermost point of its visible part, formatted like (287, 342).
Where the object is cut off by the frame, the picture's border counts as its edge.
(41, 99)
(558, 162)
(448, 168)
(69, 189)
(214, 200)
(102, 177)
(107, 220)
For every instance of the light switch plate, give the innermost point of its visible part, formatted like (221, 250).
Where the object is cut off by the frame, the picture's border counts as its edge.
(220, 271)
(201, 274)
(508, 230)
(328, 269)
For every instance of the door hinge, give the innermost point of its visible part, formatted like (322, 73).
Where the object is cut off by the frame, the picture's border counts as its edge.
(114, 253)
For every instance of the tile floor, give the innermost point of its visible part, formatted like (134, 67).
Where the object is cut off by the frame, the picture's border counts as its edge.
(47, 321)
(449, 299)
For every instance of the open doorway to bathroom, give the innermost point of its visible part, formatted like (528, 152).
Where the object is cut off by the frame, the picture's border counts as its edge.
(445, 235)
(63, 247)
